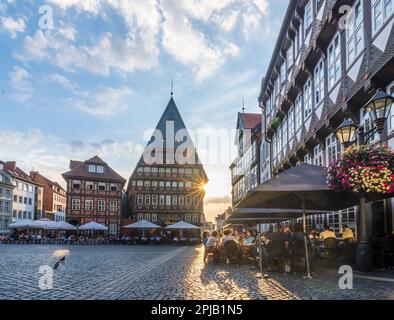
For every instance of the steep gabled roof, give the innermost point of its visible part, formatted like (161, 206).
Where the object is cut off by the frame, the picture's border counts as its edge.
(249, 120)
(79, 170)
(171, 113)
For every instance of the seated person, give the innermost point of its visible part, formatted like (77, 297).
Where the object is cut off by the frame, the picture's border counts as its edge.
(226, 237)
(327, 233)
(347, 234)
(211, 245)
(278, 235)
(250, 239)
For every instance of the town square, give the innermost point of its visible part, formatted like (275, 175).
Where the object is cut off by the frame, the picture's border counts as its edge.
(197, 150)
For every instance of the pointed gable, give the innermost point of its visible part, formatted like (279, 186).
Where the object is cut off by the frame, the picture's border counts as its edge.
(172, 114)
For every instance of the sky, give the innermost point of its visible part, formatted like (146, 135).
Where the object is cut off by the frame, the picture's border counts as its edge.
(80, 78)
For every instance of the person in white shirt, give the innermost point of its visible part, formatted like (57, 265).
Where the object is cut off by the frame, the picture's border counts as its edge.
(210, 246)
(227, 236)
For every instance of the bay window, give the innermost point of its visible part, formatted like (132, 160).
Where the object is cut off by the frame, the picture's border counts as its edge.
(319, 82)
(307, 99)
(334, 62)
(298, 112)
(355, 33)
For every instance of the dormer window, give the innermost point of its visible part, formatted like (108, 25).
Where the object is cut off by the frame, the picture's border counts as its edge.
(92, 168)
(100, 169)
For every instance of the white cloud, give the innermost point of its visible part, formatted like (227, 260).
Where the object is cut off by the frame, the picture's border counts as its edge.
(105, 101)
(13, 26)
(187, 30)
(20, 84)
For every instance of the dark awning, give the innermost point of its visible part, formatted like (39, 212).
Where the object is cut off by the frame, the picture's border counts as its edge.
(301, 183)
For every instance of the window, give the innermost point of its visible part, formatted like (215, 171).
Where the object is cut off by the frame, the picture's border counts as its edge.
(355, 34)
(188, 217)
(318, 156)
(319, 82)
(174, 170)
(168, 184)
(154, 200)
(101, 205)
(289, 57)
(283, 73)
(334, 62)
(100, 169)
(196, 201)
(20, 199)
(174, 184)
(30, 201)
(89, 185)
(188, 201)
(368, 125)
(181, 170)
(308, 159)
(162, 200)
(147, 199)
(153, 217)
(188, 184)
(24, 200)
(195, 218)
(290, 121)
(298, 112)
(168, 200)
(114, 187)
(147, 170)
(181, 184)
(174, 200)
(76, 204)
(140, 200)
(307, 99)
(140, 183)
(390, 90)
(168, 170)
(161, 184)
(92, 168)
(140, 169)
(15, 198)
(162, 170)
(188, 171)
(181, 200)
(147, 183)
(154, 184)
(308, 15)
(101, 186)
(332, 149)
(140, 216)
(381, 11)
(88, 204)
(76, 184)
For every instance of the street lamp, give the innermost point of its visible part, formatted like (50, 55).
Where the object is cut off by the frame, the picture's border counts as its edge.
(346, 133)
(379, 108)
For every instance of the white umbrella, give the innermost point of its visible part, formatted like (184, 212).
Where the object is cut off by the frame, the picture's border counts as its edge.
(43, 224)
(144, 225)
(61, 225)
(24, 224)
(93, 226)
(182, 225)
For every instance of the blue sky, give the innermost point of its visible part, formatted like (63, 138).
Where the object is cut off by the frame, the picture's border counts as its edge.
(100, 75)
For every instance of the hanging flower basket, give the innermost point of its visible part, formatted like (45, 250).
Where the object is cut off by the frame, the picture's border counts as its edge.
(363, 169)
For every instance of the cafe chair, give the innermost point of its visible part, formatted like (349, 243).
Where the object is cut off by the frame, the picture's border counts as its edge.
(330, 246)
(276, 254)
(231, 251)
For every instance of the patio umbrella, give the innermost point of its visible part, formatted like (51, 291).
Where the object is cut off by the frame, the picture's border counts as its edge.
(143, 224)
(61, 225)
(94, 226)
(303, 186)
(182, 225)
(24, 224)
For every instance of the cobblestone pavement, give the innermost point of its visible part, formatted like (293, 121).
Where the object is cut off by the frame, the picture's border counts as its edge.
(158, 273)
